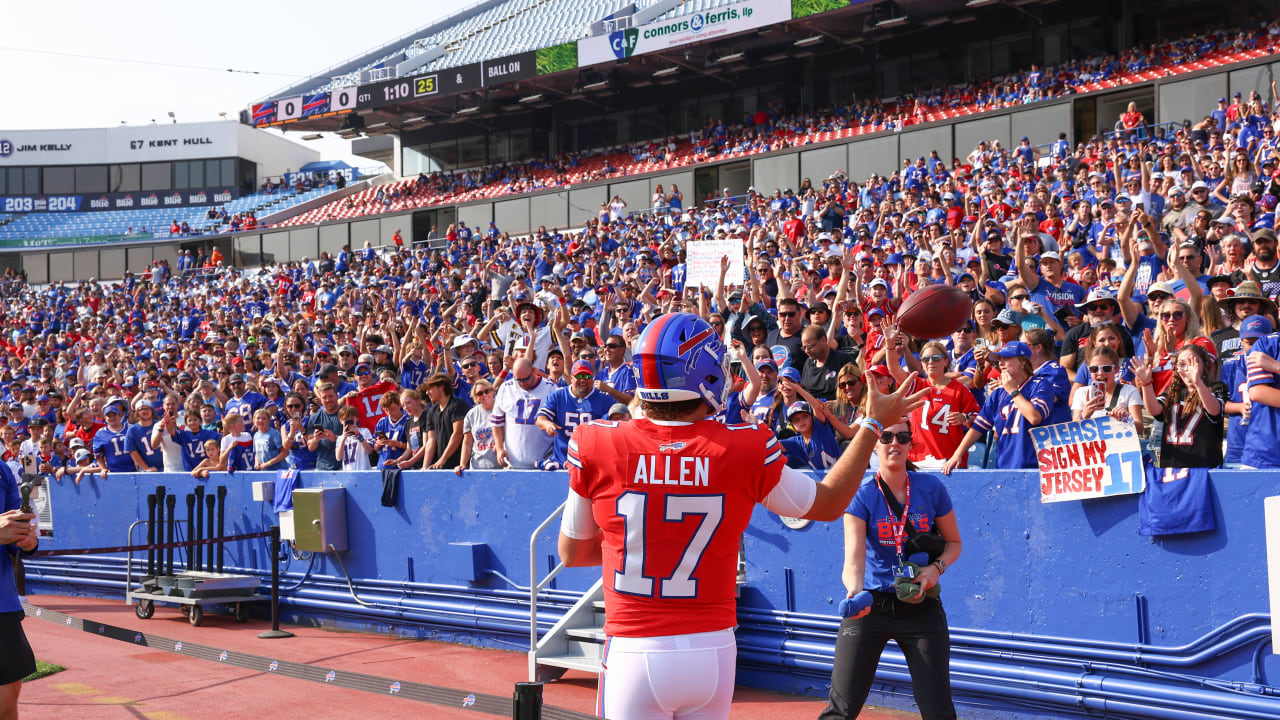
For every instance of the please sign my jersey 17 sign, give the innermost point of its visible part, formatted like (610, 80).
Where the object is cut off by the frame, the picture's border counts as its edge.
(1099, 457)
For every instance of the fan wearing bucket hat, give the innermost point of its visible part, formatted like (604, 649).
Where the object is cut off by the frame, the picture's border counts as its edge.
(528, 322)
(1235, 376)
(1244, 301)
(1011, 410)
(1100, 307)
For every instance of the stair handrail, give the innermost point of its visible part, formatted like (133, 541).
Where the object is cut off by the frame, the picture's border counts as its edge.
(536, 586)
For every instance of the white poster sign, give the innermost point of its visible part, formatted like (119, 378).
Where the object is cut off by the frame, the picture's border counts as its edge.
(703, 261)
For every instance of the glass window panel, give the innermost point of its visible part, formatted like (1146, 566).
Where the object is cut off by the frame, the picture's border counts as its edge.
(195, 174)
(126, 178)
(157, 176)
(521, 145)
(212, 173)
(471, 151)
(15, 181)
(228, 172)
(499, 147)
(91, 179)
(181, 175)
(4, 183)
(59, 181)
(31, 181)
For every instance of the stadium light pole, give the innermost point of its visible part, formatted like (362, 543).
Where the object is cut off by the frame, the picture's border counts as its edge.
(173, 118)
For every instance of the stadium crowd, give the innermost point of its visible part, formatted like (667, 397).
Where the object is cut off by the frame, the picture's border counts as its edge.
(1133, 276)
(773, 128)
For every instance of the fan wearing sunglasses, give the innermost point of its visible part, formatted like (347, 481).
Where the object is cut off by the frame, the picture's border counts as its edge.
(940, 423)
(877, 541)
(1105, 395)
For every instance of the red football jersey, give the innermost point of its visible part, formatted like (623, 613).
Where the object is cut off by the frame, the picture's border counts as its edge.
(367, 404)
(931, 435)
(673, 502)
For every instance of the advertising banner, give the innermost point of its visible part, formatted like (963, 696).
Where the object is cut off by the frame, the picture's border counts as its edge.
(703, 262)
(58, 242)
(686, 29)
(118, 201)
(1099, 457)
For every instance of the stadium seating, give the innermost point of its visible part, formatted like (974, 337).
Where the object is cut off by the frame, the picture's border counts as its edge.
(1084, 76)
(157, 220)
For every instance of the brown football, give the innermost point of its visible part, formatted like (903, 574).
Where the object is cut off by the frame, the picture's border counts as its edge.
(934, 312)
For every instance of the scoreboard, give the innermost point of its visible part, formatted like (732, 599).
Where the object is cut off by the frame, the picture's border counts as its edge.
(341, 101)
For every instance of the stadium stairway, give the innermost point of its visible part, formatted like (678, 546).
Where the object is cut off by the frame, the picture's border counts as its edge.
(576, 642)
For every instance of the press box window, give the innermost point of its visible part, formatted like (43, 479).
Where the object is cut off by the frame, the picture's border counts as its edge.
(59, 181)
(157, 176)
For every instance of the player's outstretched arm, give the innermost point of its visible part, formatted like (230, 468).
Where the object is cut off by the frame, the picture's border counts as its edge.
(841, 483)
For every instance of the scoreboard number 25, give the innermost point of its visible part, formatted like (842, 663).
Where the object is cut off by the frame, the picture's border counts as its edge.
(425, 85)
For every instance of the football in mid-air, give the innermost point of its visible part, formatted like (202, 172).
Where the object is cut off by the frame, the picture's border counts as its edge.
(934, 312)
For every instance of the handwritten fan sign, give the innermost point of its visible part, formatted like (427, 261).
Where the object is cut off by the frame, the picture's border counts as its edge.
(703, 260)
(1099, 457)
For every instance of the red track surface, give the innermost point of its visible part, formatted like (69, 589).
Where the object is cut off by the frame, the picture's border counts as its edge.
(108, 679)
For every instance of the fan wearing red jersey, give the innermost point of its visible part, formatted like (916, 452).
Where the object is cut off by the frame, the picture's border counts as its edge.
(947, 409)
(662, 502)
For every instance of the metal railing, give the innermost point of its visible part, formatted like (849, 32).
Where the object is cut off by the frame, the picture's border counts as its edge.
(536, 586)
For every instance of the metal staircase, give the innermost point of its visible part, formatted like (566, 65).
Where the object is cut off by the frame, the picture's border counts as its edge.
(576, 641)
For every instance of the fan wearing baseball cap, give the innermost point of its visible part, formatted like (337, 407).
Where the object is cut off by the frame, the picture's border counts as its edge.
(1262, 367)
(1235, 376)
(1049, 288)
(1011, 410)
(568, 407)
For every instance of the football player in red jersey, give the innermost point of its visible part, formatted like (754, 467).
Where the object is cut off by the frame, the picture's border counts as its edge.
(661, 502)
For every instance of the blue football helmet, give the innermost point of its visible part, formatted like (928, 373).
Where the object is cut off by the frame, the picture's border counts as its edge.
(680, 356)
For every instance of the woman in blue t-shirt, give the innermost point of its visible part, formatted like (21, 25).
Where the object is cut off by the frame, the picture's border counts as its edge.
(877, 543)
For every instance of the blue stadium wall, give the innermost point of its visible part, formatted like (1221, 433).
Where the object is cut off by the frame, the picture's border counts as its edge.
(1059, 610)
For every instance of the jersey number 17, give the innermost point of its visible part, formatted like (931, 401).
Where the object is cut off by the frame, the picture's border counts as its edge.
(631, 580)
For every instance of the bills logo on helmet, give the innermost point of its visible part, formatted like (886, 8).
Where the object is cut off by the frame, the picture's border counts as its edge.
(222, 656)
(395, 687)
(331, 676)
(178, 646)
(102, 629)
(695, 346)
(275, 665)
(137, 638)
(469, 700)
(672, 447)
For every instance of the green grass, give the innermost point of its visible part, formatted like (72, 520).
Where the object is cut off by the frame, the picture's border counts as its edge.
(42, 669)
(557, 58)
(805, 8)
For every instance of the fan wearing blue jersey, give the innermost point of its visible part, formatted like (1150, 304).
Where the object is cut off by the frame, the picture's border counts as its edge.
(1013, 407)
(814, 446)
(1235, 377)
(111, 443)
(145, 456)
(568, 407)
(192, 440)
(1260, 447)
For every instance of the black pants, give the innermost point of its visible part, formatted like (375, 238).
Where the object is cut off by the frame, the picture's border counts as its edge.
(16, 659)
(920, 631)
